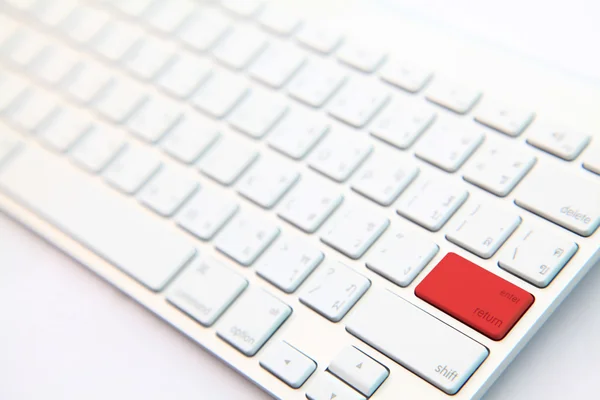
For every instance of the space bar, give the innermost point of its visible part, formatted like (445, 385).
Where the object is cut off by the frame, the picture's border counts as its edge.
(118, 231)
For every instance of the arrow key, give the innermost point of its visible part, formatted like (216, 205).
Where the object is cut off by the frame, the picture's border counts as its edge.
(287, 364)
(328, 387)
(359, 370)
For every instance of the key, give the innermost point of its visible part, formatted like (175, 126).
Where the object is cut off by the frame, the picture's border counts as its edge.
(591, 159)
(400, 255)
(309, 204)
(511, 122)
(384, 176)
(565, 144)
(8, 144)
(205, 289)
(448, 146)
(267, 181)
(132, 8)
(287, 364)
(205, 213)
(83, 24)
(52, 14)
(166, 16)
(353, 230)
(414, 339)
(227, 160)
(431, 203)
(115, 40)
(203, 29)
(319, 37)
(23, 47)
(133, 167)
(402, 124)
(327, 387)
(357, 102)
(252, 320)
(11, 88)
(243, 8)
(8, 26)
(189, 139)
(279, 20)
(101, 221)
(333, 290)
(483, 229)
(97, 148)
(537, 255)
(119, 100)
(240, 46)
(339, 154)
(146, 60)
(183, 75)
(405, 75)
(459, 99)
(567, 199)
(288, 263)
(276, 64)
(166, 191)
(154, 118)
(54, 64)
(316, 82)
(474, 296)
(64, 129)
(361, 56)
(21, 5)
(246, 237)
(498, 169)
(220, 93)
(87, 81)
(257, 113)
(31, 110)
(359, 370)
(297, 133)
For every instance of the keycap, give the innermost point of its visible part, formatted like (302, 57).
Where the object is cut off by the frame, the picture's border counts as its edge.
(316, 82)
(23, 47)
(279, 19)
(21, 5)
(430, 203)
(357, 102)
(132, 8)
(384, 176)
(83, 23)
(327, 387)
(483, 229)
(8, 144)
(147, 59)
(52, 14)
(166, 191)
(416, 340)
(401, 124)
(166, 16)
(119, 100)
(11, 87)
(202, 29)
(102, 221)
(358, 370)
(449, 145)
(246, 237)
(567, 199)
(257, 113)
(115, 40)
(240, 46)
(190, 138)
(474, 296)
(319, 37)
(205, 213)
(54, 64)
(591, 158)
(354, 229)
(405, 75)
(205, 289)
(243, 8)
(297, 133)
(154, 118)
(131, 169)
(562, 143)
(333, 290)
(499, 168)
(288, 262)
(8, 26)
(287, 364)
(63, 129)
(340, 153)
(183, 75)
(252, 320)
(267, 181)
(309, 204)
(227, 160)
(537, 255)
(220, 93)
(507, 120)
(452, 96)
(97, 148)
(362, 56)
(31, 110)
(276, 64)
(87, 81)
(400, 255)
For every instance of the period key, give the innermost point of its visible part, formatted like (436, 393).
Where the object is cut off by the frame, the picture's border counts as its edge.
(474, 296)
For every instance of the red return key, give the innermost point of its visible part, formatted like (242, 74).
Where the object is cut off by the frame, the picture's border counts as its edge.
(474, 296)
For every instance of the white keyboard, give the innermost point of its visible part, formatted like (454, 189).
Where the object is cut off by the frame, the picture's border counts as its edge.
(331, 220)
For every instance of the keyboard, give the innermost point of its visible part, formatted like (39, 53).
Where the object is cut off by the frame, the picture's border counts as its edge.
(329, 218)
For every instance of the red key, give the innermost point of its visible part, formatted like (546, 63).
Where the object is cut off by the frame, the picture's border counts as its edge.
(474, 296)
